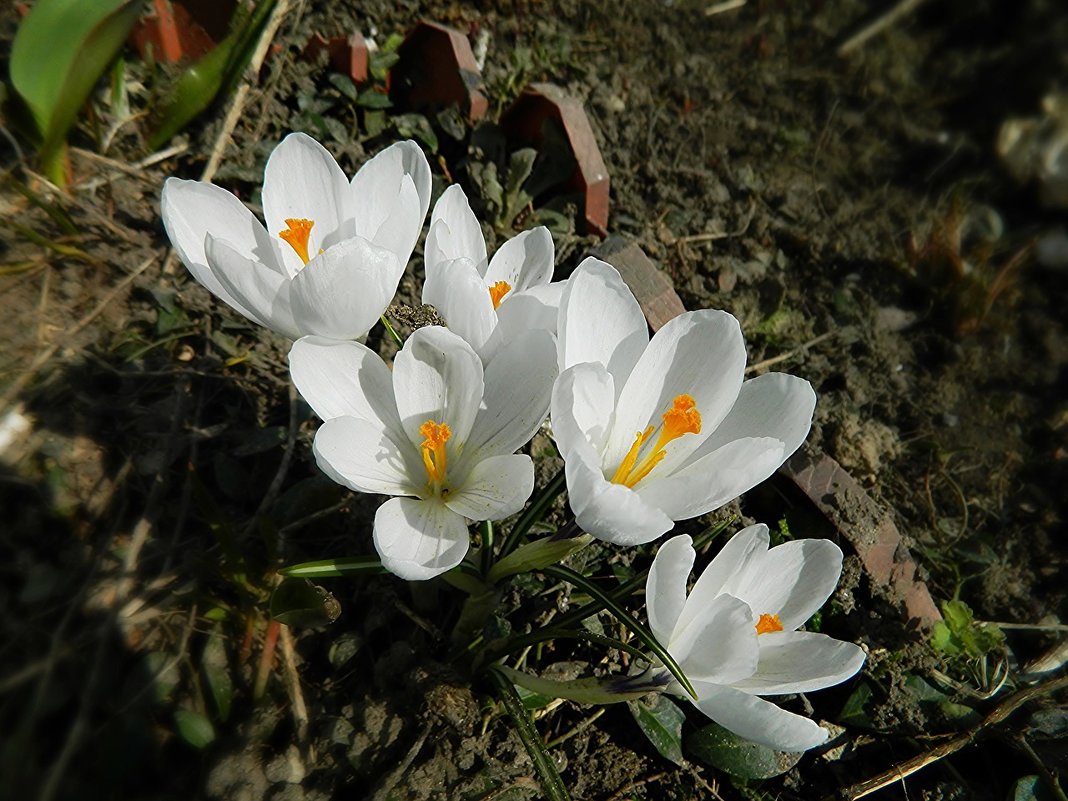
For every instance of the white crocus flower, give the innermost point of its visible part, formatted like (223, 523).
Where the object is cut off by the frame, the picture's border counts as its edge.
(438, 430)
(662, 430)
(735, 637)
(332, 253)
(487, 301)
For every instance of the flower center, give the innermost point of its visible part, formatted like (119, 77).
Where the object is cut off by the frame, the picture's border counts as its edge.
(434, 460)
(768, 624)
(498, 291)
(681, 418)
(297, 235)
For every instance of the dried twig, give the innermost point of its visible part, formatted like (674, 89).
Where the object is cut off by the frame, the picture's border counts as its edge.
(725, 6)
(877, 26)
(955, 744)
(782, 357)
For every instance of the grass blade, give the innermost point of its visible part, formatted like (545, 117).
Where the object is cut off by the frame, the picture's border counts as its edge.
(624, 617)
(555, 789)
(329, 568)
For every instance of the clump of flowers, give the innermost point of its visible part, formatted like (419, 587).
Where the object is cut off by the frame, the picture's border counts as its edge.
(651, 430)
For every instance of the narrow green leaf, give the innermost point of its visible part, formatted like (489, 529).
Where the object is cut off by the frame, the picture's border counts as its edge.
(661, 721)
(552, 784)
(216, 669)
(722, 749)
(611, 690)
(624, 617)
(213, 75)
(537, 555)
(330, 568)
(194, 728)
(61, 50)
(534, 512)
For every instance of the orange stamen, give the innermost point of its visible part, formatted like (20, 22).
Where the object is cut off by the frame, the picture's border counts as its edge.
(768, 623)
(498, 291)
(681, 418)
(433, 447)
(297, 236)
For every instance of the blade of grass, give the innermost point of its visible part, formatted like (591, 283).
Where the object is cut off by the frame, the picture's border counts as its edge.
(624, 617)
(535, 512)
(551, 783)
(329, 568)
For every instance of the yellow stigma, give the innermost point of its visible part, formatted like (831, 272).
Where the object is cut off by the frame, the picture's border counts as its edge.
(681, 418)
(436, 435)
(297, 236)
(498, 291)
(768, 624)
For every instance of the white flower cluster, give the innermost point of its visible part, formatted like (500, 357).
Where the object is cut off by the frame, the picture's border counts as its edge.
(651, 430)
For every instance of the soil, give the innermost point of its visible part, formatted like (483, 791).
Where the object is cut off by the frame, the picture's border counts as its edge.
(163, 469)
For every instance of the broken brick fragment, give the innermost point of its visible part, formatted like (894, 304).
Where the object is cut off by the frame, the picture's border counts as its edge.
(436, 68)
(653, 289)
(523, 124)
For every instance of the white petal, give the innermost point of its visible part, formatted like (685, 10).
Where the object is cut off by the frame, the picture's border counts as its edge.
(524, 261)
(363, 457)
(582, 406)
(746, 547)
(390, 198)
(518, 384)
(700, 354)
(710, 482)
(264, 293)
(791, 580)
(609, 512)
(600, 321)
(774, 405)
(454, 232)
(418, 540)
(438, 377)
(340, 379)
(719, 643)
(537, 308)
(302, 181)
(494, 488)
(758, 720)
(460, 296)
(665, 589)
(801, 662)
(192, 209)
(341, 293)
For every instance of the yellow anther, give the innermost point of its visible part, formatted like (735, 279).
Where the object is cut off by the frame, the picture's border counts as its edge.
(768, 623)
(681, 418)
(434, 460)
(498, 291)
(297, 236)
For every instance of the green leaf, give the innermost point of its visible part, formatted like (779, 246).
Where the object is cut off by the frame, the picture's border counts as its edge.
(330, 568)
(213, 75)
(624, 617)
(194, 728)
(61, 50)
(855, 712)
(534, 512)
(552, 784)
(298, 602)
(661, 722)
(372, 98)
(1030, 788)
(537, 555)
(726, 751)
(216, 669)
(610, 690)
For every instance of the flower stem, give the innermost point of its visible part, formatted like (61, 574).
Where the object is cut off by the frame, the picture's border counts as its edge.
(486, 528)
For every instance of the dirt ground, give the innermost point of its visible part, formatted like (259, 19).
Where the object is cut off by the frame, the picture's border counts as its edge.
(163, 470)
